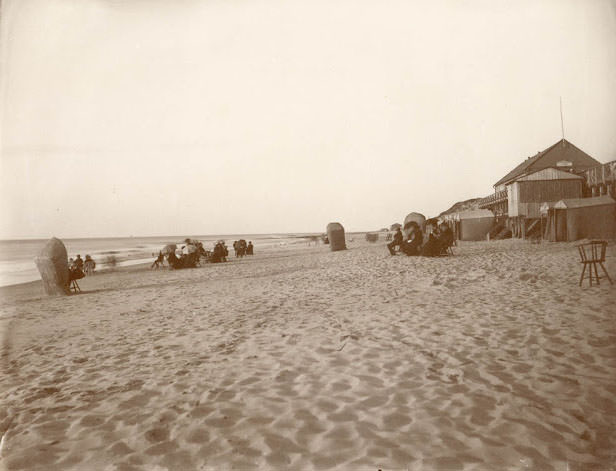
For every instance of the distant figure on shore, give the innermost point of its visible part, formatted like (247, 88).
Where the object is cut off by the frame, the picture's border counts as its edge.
(412, 246)
(89, 265)
(250, 248)
(159, 262)
(71, 263)
(396, 243)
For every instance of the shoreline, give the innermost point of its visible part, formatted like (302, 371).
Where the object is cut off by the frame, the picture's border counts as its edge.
(18, 257)
(34, 289)
(6, 289)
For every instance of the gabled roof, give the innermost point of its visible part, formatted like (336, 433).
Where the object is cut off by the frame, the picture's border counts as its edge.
(584, 202)
(549, 174)
(562, 150)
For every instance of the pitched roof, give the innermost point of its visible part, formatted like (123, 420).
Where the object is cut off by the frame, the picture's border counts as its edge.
(584, 202)
(561, 150)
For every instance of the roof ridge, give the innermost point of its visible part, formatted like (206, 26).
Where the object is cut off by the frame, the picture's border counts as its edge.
(530, 163)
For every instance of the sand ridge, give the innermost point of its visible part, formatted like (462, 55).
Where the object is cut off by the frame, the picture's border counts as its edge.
(308, 359)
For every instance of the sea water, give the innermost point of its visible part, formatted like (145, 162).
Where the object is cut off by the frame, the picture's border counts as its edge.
(17, 256)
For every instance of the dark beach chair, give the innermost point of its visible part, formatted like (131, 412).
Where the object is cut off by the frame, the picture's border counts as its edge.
(591, 254)
(75, 274)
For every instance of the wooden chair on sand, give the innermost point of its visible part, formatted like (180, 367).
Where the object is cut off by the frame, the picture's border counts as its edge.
(592, 253)
(74, 274)
(75, 286)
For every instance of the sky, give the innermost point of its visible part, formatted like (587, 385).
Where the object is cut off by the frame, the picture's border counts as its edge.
(181, 117)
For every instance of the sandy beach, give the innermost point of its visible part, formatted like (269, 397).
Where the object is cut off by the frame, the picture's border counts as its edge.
(302, 358)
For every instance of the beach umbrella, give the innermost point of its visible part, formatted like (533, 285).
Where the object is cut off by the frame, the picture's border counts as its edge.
(169, 248)
(52, 264)
(335, 234)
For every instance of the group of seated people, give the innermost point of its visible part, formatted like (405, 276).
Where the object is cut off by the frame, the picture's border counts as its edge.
(437, 242)
(190, 255)
(185, 257)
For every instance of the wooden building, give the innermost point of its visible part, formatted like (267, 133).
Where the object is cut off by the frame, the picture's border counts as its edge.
(601, 180)
(474, 224)
(551, 175)
(579, 218)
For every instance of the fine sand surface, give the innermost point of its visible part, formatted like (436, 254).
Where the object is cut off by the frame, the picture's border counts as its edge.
(302, 358)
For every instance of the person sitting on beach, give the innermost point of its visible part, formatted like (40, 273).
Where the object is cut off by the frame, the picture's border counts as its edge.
(79, 262)
(159, 262)
(89, 265)
(413, 244)
(396, 243)
(432, 247)
(201, 252)
(446, 238)
(220, 253)
(173, 261)
(75, 273)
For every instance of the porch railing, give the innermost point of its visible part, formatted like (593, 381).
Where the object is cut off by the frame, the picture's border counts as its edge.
(491, 200)
(605, 173)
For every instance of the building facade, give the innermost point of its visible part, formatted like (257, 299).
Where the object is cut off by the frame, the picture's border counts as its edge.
(554, 174)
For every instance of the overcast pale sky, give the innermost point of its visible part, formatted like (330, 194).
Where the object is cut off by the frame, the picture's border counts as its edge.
(181, 117)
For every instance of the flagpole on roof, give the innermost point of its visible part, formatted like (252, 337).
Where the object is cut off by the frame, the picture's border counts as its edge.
(562, 125)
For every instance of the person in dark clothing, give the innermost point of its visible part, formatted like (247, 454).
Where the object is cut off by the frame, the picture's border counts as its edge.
(159, 262)
(241, 248)
(79, 262)
(412, 246)
(220, 253)
(446, 238)
(75, 273)
(396, 242)
(173, 261)
(432, 247)
(250, 248)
